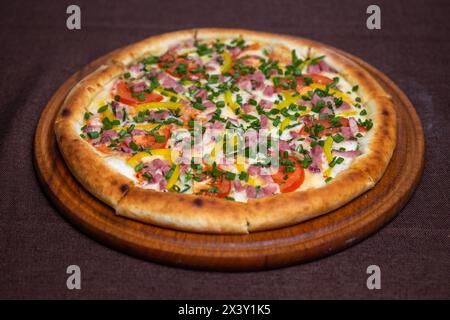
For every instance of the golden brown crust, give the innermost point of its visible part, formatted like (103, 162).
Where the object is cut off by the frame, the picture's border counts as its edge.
(213, 215)
(184, 212)
(83, 160)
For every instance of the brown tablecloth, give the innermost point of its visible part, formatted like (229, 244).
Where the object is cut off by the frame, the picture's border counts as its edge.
(38, 53)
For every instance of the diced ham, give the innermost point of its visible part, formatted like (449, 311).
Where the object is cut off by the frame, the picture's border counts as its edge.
(139, 87)
(268, 91)
(258, 79)
(161, 115)
(245, 84)
(247, 108)
(269, 190)
(320, 66)
(137, 132)
(137, 68)
(209, 104)
(324, 66)
(234, 52)
(264, 121)
(284, 145)
(127, 141)
(346, 132)
(238, 186)
(344, 106)
(326, 110)
(313, 68)
(316, 156)
(266, 104)
(108, 135)
(254, 170)
(353, 126)
(126, 149)
(251, 192)
(202, 94)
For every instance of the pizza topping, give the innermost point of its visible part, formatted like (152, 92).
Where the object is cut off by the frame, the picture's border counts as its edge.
(185, 99)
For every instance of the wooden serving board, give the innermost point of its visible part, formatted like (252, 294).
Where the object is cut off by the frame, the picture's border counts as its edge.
(256, 251)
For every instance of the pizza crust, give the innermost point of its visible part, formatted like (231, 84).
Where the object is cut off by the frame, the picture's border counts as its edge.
(213, 215)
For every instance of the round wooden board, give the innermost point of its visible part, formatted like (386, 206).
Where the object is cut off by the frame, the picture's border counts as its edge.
(256, 251)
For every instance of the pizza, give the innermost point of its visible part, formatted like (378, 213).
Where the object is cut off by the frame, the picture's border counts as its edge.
(226, 131)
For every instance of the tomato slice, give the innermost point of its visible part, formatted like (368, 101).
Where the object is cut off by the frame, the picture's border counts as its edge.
(126, 96)
(316, 78)
(223, 185)
(147, 141)
(175, 61)
(326, 124)
(293, 179)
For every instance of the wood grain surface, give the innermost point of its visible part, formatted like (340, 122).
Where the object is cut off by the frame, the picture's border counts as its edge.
(312, 239)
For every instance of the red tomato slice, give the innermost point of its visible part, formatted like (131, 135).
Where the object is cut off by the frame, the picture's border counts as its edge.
(147, 141)
(294, 179)
(316, 78)
(126, 96)
(327, 125)
(170, 57)
(224, 187)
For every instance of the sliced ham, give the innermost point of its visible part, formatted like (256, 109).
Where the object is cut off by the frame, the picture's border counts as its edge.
(245, 84)
(264, 121)
(313, 68)
(108, 135)
(269, 190)
(238, 186)
(344, 106)
(251, 191)
(254, 170)
(316, 156)
(137, 68)
(247, 108)
(347, 133)
(284, 146)
(353, 126)
(137, 132)
(266, 104)
(139, 87)
(202, 94)
(268, 91)
(324, 66)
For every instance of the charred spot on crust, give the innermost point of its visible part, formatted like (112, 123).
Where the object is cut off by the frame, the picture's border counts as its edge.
(66, 112)
(124, 188)
(198, 202)
(385, 112)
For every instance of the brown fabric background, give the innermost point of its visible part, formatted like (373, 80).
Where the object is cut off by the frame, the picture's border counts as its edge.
(38, 53)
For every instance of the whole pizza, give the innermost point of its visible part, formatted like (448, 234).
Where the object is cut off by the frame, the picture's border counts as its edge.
(226, 131)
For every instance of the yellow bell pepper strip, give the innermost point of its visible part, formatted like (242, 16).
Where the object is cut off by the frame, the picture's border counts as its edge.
(227, 62)
(346, 113)
(159, 105)
(165, 153)
(170, 94)
(288, 99)
(229, 101)
(337, 93)
(327, 148)
(174, 177)
(145, 126)
(328, 154)
(134, 160)
(107, 113)
(284, 124)
(327, 172)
